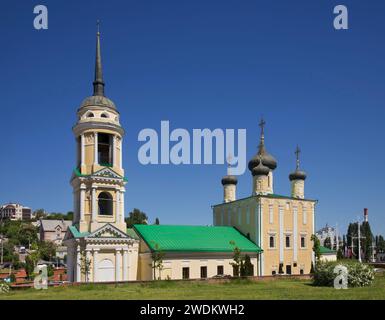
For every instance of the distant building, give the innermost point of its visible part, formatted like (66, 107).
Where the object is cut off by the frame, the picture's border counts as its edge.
(380, 257)
(327, 232)
(53, 230)
(14, 211)
(328, 254)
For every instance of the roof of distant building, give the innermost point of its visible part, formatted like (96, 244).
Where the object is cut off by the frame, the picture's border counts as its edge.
(324, 250)
(50, 225)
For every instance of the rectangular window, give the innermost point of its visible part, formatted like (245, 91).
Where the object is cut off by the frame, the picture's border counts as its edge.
(287, 241)
(186, 273)
(271, 241)
(271, 214)
(220, 270)
(204, 272)
(303, 242)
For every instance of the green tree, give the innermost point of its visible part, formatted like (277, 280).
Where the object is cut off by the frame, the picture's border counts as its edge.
(380, 243)
(27, 234)
(340, 254)
(316, 247)
(136, 217)
(351, 238)
(157, 260)
(367, 241)
(69, 216)
(40, 214)
(29, 267)
(85, 265)
(328, 243)
(237, 259)
(9, 254)
(247, 269)
(47, 250)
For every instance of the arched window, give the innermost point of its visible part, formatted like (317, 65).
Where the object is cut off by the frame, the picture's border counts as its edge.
(105, 204)
(90, 115)
(271, 242)
(104, 115)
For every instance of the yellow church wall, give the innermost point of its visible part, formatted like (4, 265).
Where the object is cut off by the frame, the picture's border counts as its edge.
(173, 266)
(249, 225)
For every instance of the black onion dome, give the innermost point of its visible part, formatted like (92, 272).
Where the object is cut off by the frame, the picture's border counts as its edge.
(262, 155)
(229, 180)
(260, 170)
(297, 175)
(267, 160)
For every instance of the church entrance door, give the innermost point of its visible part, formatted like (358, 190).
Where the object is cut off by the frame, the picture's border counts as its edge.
(106, 271)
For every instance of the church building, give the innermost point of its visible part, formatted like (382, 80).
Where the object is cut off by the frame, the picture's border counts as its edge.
(273, 231)
(281, 225)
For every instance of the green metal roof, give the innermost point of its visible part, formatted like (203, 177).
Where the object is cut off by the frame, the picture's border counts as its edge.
(75, 232)
(324, 250)
(177, 238)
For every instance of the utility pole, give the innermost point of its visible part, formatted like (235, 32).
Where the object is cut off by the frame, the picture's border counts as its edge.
(359, 241)
(373, 246)
(337, 240)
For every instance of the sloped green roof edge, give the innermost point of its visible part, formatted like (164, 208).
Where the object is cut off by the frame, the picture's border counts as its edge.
(78, 174)
(181, 238)
(75, 232)
(324, 250)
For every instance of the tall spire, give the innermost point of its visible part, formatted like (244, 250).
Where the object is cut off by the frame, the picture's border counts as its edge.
(98, 82)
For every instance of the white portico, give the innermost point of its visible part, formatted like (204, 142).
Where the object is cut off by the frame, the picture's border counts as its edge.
(105, 255)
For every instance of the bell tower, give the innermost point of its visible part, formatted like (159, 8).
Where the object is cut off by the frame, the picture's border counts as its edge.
(98, 179)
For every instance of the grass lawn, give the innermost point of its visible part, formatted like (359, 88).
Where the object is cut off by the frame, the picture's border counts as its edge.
(178, 290)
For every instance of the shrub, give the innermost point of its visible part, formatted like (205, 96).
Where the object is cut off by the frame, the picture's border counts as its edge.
(359, 274)
(12, 278)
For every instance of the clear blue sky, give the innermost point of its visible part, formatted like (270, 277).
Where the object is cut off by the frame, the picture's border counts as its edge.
(214, 64)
